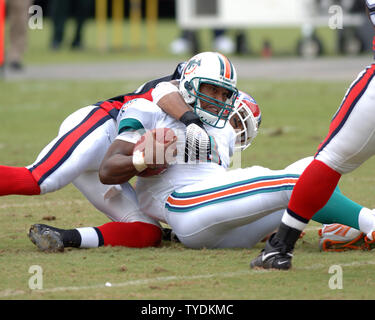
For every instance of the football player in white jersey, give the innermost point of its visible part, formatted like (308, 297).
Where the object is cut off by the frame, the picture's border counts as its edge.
(206, 205)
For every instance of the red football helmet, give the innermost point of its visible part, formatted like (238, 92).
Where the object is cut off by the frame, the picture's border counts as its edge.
(245, 119)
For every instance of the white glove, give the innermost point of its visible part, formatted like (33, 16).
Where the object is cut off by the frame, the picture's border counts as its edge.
(198, 145)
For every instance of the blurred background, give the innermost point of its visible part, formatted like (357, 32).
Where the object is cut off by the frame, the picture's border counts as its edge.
(48, 32)
(37, 36)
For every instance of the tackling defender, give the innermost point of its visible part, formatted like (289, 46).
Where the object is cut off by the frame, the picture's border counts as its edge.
(75, 154)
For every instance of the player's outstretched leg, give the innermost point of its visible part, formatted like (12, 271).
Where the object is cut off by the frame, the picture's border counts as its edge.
(17, 180)
(127, 234)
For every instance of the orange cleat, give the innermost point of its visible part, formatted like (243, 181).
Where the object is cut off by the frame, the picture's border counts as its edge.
(338, 237)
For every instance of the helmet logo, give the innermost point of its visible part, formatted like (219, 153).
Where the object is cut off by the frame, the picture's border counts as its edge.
(192, 65)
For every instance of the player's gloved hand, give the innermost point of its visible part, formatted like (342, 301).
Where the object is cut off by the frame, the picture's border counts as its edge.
(198, 144)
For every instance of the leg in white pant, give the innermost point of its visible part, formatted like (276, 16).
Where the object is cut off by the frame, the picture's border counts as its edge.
(210, 213)
(116, 202)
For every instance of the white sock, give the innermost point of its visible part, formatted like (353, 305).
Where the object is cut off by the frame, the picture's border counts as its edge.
(366, 221)
(89, 237)
(292, 222)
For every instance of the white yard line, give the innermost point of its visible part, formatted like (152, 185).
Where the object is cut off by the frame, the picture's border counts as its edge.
(42, 203)
(131, 283)
(11, 293)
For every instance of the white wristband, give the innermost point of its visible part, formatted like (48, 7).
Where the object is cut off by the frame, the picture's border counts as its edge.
(139, 161)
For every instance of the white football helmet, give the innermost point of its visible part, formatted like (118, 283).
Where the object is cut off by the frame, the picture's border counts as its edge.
(212, 68)
(245, 119)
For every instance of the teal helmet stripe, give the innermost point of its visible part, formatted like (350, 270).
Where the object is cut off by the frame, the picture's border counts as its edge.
(222, 67)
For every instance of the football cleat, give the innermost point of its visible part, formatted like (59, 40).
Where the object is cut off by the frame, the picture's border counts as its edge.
(338, 237)
(46, 238)
(273, 257)
(169, 235)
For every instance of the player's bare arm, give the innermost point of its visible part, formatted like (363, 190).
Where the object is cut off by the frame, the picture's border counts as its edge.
(117, 166)
(174, 104)
(124, 160)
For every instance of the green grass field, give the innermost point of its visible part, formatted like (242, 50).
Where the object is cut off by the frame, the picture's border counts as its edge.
(295, 118)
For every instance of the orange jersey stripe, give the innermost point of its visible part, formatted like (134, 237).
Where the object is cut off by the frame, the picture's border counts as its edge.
(192, 201)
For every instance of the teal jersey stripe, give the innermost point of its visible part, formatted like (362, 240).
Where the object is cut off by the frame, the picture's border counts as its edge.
(231, 185)
(227, 198)
(130, 124)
